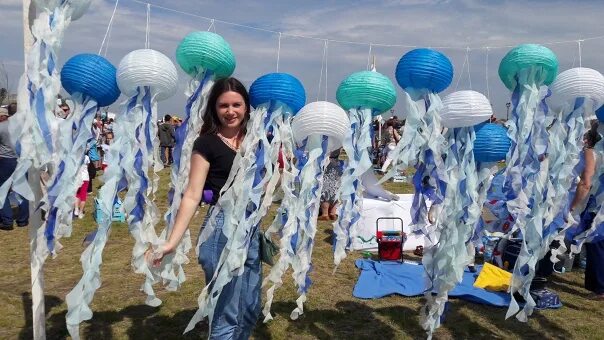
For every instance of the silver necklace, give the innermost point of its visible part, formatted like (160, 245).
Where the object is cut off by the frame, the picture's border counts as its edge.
(228, 142)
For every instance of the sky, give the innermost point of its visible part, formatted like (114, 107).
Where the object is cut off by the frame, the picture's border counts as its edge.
(390, 28)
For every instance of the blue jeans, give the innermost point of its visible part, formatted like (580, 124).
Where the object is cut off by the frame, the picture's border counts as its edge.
(7, 167)
(239, 304)
(165, 154)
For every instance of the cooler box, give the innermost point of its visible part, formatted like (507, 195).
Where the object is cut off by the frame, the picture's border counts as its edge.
(390, 242)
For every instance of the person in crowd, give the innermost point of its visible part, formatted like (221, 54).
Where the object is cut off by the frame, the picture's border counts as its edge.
(166, 140)
(391, 138)
(105, 150)
(8, 164)
(82, 192)
(214, 151)
(594, 271)
(331, 183)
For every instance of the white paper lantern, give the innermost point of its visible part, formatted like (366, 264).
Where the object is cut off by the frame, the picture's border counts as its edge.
(147, 67)
(464, 109)
(575, 83)
(322, 118)
(77, 7)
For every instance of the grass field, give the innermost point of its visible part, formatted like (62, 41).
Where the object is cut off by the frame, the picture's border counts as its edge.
(331, 311)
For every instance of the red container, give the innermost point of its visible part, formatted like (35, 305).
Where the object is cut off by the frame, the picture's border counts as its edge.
(390, 243)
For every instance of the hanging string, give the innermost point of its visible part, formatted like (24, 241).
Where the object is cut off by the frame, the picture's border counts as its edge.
(465, 60)
(326, 54)
(108, 27)
(321, 75)
(211, 25)
(468, 59)
(369, 57)
(359, 42)
(278, 51)
(486, 72)
(148, 26)
(579, 43)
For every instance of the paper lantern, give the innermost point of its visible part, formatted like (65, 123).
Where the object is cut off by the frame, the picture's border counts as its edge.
(575, 83)
(424, 68)
(526, 56)
(600, 114)
(77, 7)
(92, 76)
(147, 67)
(323, 119)
(281, 87)
(367, 89)
(492, 143)
(205, 50)
(465, 108)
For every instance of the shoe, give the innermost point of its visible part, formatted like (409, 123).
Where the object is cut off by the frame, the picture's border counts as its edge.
(419, 251)
(81, 216)
(22, 225)
(472, 269)
(6, 227)
(333, 217)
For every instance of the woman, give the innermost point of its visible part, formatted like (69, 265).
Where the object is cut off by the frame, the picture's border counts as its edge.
(331, 182)
(594, 272)
(223, 130)
(392, 137)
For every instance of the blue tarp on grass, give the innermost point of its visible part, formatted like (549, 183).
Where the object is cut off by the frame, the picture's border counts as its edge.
(379, 279)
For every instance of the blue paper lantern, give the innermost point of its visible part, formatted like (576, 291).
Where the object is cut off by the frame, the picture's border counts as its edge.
(281, 87)
(526, 56)
(492, 142)
(600, 114)
(367, 89)
(426, 69)
(92, 76)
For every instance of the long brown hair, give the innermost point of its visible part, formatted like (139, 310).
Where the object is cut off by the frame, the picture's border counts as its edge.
(211, 123)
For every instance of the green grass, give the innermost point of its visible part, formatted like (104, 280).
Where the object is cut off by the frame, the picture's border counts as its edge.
(331, 311)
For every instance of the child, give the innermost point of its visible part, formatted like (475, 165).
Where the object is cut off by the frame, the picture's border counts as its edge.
(80, 201)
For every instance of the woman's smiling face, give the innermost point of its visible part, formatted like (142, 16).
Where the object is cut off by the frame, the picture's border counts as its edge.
(230, 109)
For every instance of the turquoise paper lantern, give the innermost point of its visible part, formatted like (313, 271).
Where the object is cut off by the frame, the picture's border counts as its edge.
(492, 142)
(527, 56)
(367, 89)
(426, 69)
(282, 87)
(91, 75)
(205, 50)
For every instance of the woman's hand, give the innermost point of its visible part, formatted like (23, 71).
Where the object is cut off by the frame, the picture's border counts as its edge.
(155, 255)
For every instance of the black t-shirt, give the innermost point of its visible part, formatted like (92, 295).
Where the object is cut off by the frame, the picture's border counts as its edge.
(220, 157)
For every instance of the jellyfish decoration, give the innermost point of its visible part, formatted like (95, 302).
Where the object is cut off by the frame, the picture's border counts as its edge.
(276, 98)
(444, 262)
(422, 73)
(205, 56)
(32, 127)
(491, 145)
(363, 94)
(90, 80)
(145, 76)
(318, 129)
(576, 94)
(524, 70)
